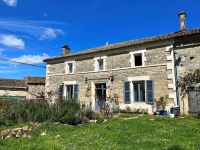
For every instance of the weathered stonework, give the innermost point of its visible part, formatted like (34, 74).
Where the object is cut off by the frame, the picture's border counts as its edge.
(159, 63)
(119, 66)
(35, 91)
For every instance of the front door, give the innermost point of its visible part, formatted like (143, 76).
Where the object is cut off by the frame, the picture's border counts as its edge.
(100, 95)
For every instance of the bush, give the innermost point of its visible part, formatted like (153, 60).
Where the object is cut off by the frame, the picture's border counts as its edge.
(69, 112)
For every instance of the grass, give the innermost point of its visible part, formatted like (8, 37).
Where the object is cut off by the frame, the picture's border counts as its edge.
(124, 132)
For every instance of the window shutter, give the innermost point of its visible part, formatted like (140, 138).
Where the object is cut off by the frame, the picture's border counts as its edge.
(76, 92)
(150, 91)
(127, 92)
(61, 92)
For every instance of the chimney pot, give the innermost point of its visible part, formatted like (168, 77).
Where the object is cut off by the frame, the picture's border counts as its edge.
(182, 20)
(65, 50)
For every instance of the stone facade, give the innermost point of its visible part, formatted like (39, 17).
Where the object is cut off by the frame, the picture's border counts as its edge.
(190, 61)
(118, 65)
(160, 56)
(35, 91)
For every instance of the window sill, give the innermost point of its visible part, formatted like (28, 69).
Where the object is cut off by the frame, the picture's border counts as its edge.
(143, 66)
(70, 73)
(100, 70)
(149, 103)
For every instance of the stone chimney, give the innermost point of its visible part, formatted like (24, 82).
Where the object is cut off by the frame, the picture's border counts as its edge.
(65, 50)
(182, 18)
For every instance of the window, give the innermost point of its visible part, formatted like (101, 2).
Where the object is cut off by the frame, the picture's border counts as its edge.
(71, 91)
(70, 66)
(101, 64)
(138, 59)
(139, 91)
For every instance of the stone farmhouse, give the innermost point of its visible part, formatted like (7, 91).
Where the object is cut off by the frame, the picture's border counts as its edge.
(137, 71)
(28, 88)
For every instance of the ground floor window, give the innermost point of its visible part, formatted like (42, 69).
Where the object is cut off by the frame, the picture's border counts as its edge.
(139, 91)
(70, 91)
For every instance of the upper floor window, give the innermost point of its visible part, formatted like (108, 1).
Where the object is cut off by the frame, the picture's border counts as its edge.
(70, 67)
(100, 63)
(137, 58)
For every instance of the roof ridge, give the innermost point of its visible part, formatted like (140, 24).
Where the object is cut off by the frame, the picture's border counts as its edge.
(161, 37)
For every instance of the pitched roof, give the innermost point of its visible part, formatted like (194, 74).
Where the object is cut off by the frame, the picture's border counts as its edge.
(12, 83)
(159, 38)
(35, 80)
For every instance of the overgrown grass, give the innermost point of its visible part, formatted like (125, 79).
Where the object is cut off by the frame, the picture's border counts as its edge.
(124, 132)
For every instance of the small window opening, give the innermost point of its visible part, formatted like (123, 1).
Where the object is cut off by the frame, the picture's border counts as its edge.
(101, 64)
(138, 60)
(70, 66)
(192, 57)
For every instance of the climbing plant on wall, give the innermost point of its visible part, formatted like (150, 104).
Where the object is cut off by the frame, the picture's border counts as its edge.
(190, 79)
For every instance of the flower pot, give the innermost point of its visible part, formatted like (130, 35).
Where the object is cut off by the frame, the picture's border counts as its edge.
(163, 113)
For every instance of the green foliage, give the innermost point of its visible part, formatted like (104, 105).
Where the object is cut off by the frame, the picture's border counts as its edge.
(121, 133)
(190, 79)
(69, 112)
(161, 103)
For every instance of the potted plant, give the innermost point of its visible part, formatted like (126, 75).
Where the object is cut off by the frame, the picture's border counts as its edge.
(161, 105)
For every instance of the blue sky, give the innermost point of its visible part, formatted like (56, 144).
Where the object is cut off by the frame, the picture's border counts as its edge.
(31, 30)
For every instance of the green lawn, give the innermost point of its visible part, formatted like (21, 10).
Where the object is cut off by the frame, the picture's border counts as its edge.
(124, 132)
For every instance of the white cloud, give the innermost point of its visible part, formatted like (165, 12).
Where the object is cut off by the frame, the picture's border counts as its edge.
(31, 59)
(40, 29)
(11, 41)
(11, 3)
(50, 33)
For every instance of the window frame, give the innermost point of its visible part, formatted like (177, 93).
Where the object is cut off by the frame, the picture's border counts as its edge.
(70, 83)
(67, 71)
(96, 63)
(139, 91)
(135, 53)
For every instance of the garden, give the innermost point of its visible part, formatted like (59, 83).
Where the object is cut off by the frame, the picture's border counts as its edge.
(122, 132)
(35, 124)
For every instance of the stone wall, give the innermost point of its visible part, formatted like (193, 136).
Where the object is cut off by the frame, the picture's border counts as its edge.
(190, 59)
(155, 68)
(35, 91)
(13, 92)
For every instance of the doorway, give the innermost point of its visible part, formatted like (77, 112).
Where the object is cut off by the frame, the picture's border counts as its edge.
(100, 96)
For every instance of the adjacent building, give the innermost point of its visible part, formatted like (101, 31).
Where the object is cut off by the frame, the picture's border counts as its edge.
(137, 71)
(28, 88)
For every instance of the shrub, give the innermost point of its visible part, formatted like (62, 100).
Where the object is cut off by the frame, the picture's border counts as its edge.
(69, 112)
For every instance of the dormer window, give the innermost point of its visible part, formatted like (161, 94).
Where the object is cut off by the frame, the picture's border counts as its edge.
(69, 67)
